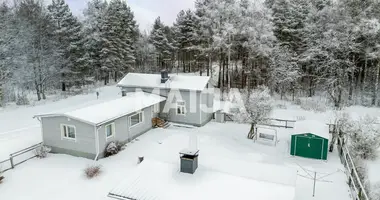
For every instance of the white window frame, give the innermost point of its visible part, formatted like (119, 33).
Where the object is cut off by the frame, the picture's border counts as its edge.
(137, 113)
(112, 128)
(65, 126)
(182, 107)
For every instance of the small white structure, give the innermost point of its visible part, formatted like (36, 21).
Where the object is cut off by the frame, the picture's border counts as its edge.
(266, 135)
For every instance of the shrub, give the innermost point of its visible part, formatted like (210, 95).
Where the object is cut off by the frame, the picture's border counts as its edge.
(364, 137)
(42, 151)
(375, 191)
(92, 171)
(313, 105)
(22, 99)
(113, 148)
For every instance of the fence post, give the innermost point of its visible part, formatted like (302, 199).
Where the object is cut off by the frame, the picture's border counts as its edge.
(360, 193)
(11, 160)
(351, 176)
(286, 124)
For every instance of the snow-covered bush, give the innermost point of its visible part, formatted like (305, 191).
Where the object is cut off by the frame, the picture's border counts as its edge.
(42, 151)
(22, 99)
(364, 137)
(113, 148)
(255, 108)
(313, 105)
(92, 171)
(375, 191)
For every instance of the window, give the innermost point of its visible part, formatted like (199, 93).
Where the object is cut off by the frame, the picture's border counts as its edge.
(136, 119)
(181, 110)
(110, 130)
(68, 132)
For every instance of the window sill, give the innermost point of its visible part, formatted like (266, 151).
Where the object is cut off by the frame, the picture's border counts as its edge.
(110, 137)
(69, 139)
(135, 125)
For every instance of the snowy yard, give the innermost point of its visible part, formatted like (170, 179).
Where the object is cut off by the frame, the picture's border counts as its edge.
(62, 177)
(218, 144)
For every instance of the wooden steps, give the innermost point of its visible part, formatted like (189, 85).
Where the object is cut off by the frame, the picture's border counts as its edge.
(157, 122)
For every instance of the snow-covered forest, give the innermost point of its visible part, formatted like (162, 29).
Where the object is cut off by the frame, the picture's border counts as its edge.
(294, 47)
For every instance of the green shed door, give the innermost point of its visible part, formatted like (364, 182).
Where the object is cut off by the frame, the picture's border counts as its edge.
(309, 147)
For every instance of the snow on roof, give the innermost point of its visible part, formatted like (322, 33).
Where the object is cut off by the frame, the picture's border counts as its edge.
(197, 83)
(103, 112)
(312, 126)
(154, 180)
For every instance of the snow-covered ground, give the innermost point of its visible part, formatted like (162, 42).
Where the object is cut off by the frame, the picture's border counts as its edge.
(18, 129)
(61, 176)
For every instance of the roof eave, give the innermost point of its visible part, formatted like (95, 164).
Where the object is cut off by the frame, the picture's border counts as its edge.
(123, 115)
(65, 115)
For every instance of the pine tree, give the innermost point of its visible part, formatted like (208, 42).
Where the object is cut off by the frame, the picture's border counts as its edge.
(69, 35)
(158, 37)
(93, 24)
(186, 37)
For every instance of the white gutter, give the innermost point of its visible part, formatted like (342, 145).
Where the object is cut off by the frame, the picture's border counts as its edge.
(42, 130)
(96, 130)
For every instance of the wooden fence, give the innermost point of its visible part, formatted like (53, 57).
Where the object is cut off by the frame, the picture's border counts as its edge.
(357, 188)
(18, 157)
(280, 123)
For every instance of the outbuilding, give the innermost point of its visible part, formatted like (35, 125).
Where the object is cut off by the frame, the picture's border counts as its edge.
(310, 139)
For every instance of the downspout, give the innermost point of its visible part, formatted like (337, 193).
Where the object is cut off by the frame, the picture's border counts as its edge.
(96, 130)
(42, 130)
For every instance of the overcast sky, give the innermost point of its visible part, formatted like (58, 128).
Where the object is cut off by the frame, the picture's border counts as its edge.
(146, 11)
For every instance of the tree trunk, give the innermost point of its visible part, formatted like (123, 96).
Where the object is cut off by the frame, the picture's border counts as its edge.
(223, 73)
(115, 77)
(376, 88)
(208, 64)
(36, 86)
(362, 82)
(63, 83)
(227, 68)
(251, 133)
(220, 70)
(350, 89)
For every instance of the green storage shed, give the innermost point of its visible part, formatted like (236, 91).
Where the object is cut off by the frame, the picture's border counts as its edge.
(310, 139)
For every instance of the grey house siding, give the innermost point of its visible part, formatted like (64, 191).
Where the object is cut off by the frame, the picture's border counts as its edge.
(84, 146)
(123, 132)
(193, 116)
(207, 101)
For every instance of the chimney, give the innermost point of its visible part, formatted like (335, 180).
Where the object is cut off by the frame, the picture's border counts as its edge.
(164, 76)
(189, 157)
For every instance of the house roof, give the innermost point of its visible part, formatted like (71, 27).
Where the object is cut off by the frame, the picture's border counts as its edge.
(197, 83)
(311, 126)
(153, 180)
(104, 112)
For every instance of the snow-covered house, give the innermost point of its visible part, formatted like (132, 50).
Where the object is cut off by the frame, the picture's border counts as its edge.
(189, 100)
(85, 132)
